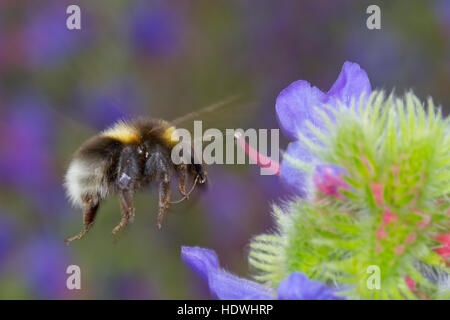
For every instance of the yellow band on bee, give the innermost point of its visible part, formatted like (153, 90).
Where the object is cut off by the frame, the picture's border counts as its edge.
(171, 135)
(122, 132)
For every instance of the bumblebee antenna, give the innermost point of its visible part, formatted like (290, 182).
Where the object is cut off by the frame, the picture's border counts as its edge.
(211, 108)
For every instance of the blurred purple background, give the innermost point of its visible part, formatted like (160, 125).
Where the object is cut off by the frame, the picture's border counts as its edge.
(164, 59)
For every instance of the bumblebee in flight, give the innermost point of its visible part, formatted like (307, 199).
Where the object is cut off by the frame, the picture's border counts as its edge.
(122, 159)
(125, 158)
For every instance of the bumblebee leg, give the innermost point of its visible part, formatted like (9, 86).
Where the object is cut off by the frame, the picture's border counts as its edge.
(89, 214)
(157, 168)
(127, 209)
(164, 200)
(182, 177)
(127, 174)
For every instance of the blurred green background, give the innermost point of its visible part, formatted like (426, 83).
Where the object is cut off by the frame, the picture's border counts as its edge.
(164, 59)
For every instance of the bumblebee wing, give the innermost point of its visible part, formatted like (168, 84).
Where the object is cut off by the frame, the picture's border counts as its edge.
(195, 115)
(232, 112)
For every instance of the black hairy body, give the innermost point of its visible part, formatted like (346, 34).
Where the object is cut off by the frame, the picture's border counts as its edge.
(121, 160)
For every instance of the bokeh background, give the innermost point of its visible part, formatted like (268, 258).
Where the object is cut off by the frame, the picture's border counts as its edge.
(164, 59)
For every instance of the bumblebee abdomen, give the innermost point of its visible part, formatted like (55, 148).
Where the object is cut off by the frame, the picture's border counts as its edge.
(86, 181)
(88, 176)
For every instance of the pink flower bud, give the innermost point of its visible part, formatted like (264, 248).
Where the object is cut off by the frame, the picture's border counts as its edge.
(377, 191)
(388, 217)
(328, 180)
(444, 238)
(399, 249)
(410, 282)
(411, 238)
(381, 233)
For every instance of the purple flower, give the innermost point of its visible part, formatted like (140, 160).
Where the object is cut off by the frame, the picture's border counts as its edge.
(48, 41)
(222, 285)
(44, 267)
(293, 177)
(27, 160)
(226, 286)
(27, 124)
(299, 287)
(7, 238)
(155, 30)
(298, 103)
(110, 103)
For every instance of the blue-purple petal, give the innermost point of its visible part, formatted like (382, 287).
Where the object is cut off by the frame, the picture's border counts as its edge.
(352, 82)
(293, 177)
(296, 105)
(222, 285)
(299, 287)
(226, 286)
(200, 260)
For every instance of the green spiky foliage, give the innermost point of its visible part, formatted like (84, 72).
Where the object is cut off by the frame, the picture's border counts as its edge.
(393, 204)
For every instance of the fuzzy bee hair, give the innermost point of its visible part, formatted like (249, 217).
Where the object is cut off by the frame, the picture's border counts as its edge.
(123, 159)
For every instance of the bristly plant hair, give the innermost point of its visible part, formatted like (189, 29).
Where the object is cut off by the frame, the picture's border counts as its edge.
(396, 156)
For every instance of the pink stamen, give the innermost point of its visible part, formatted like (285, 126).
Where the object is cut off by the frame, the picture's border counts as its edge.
(260, 159)
(378, 248)
(381, 233)
(377, 191)
(328, 180)
(411, 238)
(410, 282)
(444, 238)
(366, 163)
(425, 222)
(388, 217)
(443, 251)
(399, 249)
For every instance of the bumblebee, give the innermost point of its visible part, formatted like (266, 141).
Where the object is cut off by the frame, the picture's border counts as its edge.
(123, 159)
